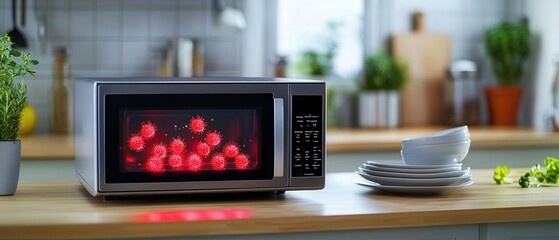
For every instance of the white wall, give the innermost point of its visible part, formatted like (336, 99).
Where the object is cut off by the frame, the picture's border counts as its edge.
(120, 38)
(543, 22)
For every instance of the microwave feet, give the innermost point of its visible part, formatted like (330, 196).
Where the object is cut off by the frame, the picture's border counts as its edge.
(279, 192)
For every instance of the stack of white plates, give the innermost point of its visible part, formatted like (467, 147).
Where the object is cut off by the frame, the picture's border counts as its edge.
(396, 176)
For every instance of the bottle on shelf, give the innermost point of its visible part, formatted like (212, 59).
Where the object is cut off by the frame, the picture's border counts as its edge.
(60, 117)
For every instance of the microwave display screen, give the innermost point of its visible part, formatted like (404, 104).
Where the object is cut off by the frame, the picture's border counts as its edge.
(190, 141)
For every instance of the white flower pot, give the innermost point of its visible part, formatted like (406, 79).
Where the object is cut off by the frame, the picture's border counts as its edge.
(382, 109)
(368, 109)
(9, 166)
(393, 109)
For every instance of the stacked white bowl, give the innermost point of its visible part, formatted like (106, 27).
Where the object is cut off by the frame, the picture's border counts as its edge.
(445, 147)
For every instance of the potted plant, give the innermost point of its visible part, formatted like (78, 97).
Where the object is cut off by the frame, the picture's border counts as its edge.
(13, 95)
(508, 46)
(383, 78)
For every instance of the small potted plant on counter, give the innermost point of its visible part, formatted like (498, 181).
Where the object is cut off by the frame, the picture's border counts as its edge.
(383, 78)
(508, 46)
(14, 66)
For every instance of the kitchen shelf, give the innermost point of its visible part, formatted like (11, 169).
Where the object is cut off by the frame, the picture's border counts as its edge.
(361, 140)
(45, 146)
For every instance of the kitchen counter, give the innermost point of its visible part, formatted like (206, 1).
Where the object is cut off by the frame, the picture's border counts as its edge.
(62, 209)
(337, 140)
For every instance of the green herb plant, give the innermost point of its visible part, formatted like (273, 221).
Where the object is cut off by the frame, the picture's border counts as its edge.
(508, 46)
(319, 62)
(383, 72)
(536, 177)
(13, 95)
(314, 63)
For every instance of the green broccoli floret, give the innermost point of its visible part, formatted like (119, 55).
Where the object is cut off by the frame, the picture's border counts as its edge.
(524, 180)
(500, 175)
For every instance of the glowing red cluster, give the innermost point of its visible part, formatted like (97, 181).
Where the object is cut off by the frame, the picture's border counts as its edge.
(136, 143)
(175, 161)
(213, 138)
(197, 124)
(159, 150)
(193, 162)
(155, 164)
(202, 152)
(177, 145)
(203, 149)
(231, 150)
(241, 161)
(148, 130)
(218, 161)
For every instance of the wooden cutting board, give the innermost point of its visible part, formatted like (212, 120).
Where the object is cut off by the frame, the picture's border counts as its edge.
(427, 56)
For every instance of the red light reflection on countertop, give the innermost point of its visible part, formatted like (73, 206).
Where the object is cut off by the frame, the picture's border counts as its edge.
(194, 215)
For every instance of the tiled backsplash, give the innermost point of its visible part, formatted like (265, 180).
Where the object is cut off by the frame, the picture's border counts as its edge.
(125, 37)
(119, 38)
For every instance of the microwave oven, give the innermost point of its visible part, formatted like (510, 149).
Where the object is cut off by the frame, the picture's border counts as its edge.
(138, 136)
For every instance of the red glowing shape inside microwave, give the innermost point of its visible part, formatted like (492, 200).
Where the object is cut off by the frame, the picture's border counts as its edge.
(136, 143)
(213, 138)
(159, 150)
(241, 161)
(177, 145)
(231, 150)
(155, 164)
(171, 141)
(175, 161)
(193, 162)
(148, 130)
(203, 149)
(197, 124)
(218, 161)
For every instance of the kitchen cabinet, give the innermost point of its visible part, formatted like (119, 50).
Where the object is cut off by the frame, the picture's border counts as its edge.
(541, 230)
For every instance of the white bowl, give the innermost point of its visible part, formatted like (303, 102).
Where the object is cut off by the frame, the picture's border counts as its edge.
(436, 154)
(450, 131)
(448, 135)
(435, 140)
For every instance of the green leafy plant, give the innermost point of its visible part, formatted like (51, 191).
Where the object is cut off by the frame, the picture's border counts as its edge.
(536, 177)
(13, 95)
(313, 63)
(383, 72)
(319, 63)
(508, 46)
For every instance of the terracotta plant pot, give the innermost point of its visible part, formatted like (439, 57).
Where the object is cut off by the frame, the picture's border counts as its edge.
(504, 104)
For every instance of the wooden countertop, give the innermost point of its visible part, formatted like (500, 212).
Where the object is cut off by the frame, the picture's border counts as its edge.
(62, 209)
(337, 140)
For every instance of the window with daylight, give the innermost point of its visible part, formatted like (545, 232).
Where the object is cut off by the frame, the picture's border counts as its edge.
(321, 38)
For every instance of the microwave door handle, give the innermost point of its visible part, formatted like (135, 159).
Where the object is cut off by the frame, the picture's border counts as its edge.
(278, 137)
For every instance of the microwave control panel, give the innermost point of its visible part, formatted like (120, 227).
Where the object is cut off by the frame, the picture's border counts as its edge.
(307, 136)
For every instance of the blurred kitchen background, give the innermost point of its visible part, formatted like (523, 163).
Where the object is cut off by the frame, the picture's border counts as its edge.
(269, 38)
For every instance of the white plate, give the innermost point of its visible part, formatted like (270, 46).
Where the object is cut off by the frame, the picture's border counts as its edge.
(401, 164)
(448, 174)
(391, 181)
(411, 189)
(405, 170)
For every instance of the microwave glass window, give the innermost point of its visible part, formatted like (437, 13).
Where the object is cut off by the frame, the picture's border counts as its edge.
(188, 137)
(190, 141)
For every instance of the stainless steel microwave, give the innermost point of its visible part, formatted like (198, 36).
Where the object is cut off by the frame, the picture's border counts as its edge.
(137, 136)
